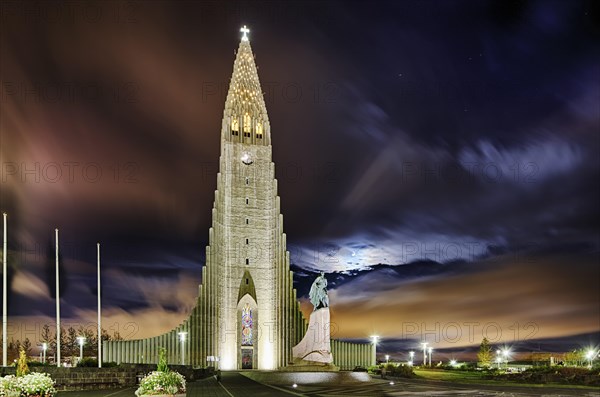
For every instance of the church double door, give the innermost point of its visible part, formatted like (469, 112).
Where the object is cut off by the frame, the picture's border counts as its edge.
(247, 358)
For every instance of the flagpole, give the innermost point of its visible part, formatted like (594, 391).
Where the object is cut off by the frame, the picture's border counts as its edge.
(99, 315)
(4, 293)
(57, 305)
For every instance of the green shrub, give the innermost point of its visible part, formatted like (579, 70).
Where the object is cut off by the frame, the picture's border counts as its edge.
(88, 362)
(403, 371)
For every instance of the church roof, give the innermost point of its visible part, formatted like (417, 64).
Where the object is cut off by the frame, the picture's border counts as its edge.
(245, 95)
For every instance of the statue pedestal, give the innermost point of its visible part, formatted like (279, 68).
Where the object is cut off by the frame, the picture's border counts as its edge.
(315, 348)
(310, 366)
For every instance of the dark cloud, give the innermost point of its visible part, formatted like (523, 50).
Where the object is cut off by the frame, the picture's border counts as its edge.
(412, 141)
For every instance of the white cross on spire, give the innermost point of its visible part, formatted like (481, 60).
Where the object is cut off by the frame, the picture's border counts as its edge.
(245, 31)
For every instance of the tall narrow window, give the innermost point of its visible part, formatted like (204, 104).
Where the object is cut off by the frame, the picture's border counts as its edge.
(246, 241)
(247, 221)
(247, 123)
(247, 325)
(247, 201)
(235, 126)
(259, 131)
(247, 261)
(247, 181)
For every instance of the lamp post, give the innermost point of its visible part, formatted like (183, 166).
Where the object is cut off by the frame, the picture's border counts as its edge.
(590, 355)
(387, 358)
(44, 348)
(182, 336)
(424, 353)
(374, 357)
(505, 353)
(412, 356)
(81, 340)
(430, 351)
(4, 293)
(99, 309)
(57, 301)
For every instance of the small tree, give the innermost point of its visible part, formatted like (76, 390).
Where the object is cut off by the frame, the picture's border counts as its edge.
(22, 368)
(162, 360)
(484, 356)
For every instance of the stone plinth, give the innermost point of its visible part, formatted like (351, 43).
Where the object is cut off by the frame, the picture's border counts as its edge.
(315, 347)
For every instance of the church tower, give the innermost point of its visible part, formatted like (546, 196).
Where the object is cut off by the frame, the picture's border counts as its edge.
(247, 247)
(246, 315)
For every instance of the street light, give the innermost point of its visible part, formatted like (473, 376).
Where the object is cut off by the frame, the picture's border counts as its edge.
(81, 340)
(505, 353)
(44, 348)
(453, 362)
(182, 336)
(590, 355)
(424, 353)
(387, 358)
(430, 351)
(374, 358)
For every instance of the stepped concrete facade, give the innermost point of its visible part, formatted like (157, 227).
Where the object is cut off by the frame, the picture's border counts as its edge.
(246, 315)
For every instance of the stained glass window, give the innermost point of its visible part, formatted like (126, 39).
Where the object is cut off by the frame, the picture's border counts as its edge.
(247, 123)
(246, 326)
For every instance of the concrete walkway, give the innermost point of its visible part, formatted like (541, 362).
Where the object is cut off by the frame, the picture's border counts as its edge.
(235, 384)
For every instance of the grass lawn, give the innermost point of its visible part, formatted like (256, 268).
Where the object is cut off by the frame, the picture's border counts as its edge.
(452, 376)
(478, 377)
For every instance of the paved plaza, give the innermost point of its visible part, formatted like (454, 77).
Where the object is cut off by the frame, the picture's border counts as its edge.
(236, 384)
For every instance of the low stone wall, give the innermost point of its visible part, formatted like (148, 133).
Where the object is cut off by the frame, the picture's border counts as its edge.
(125, 375)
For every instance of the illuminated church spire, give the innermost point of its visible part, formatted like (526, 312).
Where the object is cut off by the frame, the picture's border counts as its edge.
(245, 116)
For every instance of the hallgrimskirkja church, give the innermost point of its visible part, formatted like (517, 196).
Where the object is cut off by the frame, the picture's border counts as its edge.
(246, 315)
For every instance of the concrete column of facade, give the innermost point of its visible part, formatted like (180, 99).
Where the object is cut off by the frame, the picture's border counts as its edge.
(344, 349)
(203, 335)
(201, 318)
(171, 349)
(348, 353)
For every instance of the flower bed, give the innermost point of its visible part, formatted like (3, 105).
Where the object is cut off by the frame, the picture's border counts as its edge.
(31, 385)
(162, 383)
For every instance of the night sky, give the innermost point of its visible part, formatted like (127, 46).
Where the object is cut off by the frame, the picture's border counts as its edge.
(438, 160)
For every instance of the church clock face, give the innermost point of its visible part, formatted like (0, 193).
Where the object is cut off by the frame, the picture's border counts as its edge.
(247, 158)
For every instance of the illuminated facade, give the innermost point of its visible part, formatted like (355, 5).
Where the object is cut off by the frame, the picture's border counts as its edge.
(246, 314)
